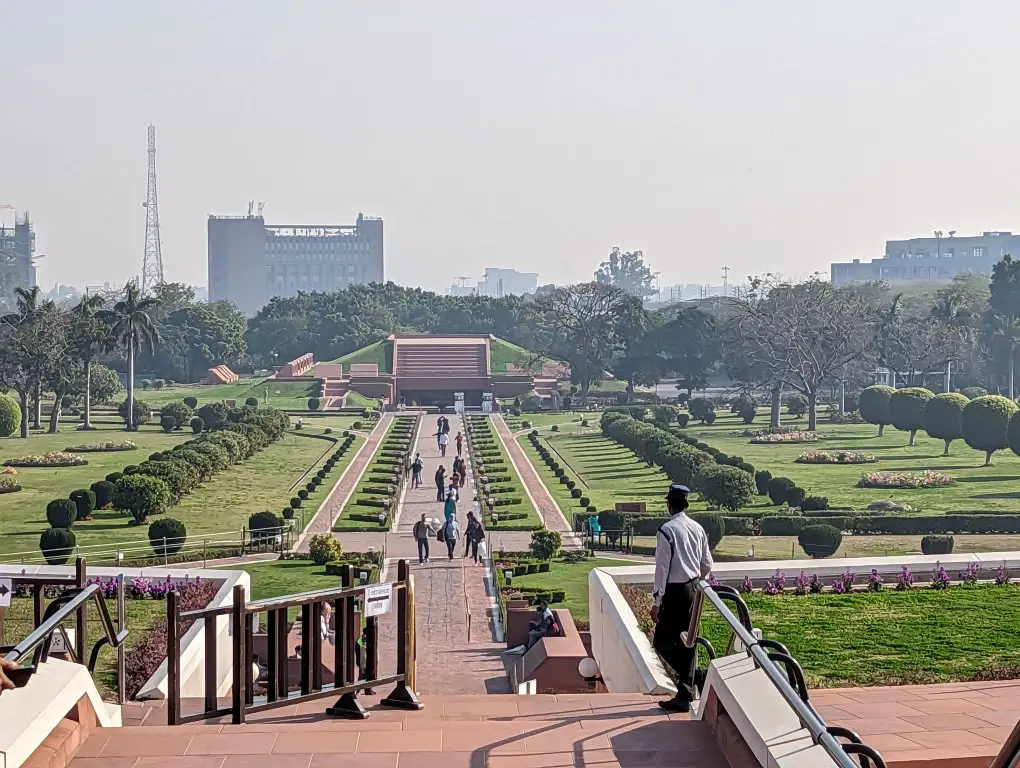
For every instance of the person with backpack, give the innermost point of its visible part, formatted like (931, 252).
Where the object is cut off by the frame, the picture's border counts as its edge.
(416, 467)
(440, 483)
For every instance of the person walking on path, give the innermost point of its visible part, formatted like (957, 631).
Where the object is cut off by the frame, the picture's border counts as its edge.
(460, 443)
(451, 530)
(450, 505)
(452, 490)
(474, 534)
(444, 440)
(440, 482)
(422, 532)
(407, 465)
(439, 429)
(416, 467)
(682, 556)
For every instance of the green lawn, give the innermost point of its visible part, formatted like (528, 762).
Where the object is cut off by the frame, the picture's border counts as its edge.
(977, 488)
(282, 394)
(367, 488)
(286, 577)
(380, 353)
(223, 504)
(572, 577)
(502, 352)
(566, 420)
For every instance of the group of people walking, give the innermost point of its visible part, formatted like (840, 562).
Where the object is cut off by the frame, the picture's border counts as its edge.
(451, 529)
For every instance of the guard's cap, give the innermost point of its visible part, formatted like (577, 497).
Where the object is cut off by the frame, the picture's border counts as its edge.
(677, 492)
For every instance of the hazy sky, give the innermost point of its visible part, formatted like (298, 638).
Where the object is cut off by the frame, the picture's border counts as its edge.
(768, 136)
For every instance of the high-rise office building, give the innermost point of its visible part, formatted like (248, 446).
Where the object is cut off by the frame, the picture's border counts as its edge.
(250, 261)
(17, 252)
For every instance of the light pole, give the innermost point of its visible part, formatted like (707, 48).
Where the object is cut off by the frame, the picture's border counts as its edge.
(938, 243)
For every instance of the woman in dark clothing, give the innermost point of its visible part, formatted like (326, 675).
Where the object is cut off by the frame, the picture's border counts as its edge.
(440, 483)
(473, 536)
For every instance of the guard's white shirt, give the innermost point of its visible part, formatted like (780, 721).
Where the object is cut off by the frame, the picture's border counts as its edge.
(681, 554)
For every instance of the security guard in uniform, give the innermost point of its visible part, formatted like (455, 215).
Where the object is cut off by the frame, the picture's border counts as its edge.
(682, 556)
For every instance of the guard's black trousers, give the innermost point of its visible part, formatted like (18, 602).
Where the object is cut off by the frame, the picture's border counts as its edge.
(674, 618)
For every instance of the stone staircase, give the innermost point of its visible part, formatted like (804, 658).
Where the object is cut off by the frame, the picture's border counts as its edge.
(603, 730)
(441, 360)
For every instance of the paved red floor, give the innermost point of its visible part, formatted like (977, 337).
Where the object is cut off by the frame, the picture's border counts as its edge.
(453, 732)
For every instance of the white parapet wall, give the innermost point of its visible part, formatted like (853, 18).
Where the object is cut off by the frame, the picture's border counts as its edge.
(193, 641)
(629, 664)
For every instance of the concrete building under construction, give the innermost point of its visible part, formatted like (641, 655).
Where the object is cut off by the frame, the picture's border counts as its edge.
(17, 257)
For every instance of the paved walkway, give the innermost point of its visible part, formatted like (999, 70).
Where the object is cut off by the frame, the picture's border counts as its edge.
(449, 595)
(330, 509)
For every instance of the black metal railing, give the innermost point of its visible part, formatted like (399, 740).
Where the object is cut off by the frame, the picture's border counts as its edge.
(48, 620)
(610, 540)
(783, 672)
(344, 601)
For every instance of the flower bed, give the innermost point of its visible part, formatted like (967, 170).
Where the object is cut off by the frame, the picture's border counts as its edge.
(761, 432)
(927, 479)
(8, 484)
(51, 459)
(835, 457)
(107, 447)
(766, 438)
(938, 578)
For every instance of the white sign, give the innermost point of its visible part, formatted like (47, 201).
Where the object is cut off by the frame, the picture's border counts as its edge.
(6, 588)
(378, 599)
(58, 642)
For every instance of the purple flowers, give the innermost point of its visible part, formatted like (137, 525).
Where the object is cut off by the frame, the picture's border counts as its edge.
(141, 588)
(746, 586)
(1001, 576)
(839, 587)
(801, 584)
(875, 581)
(905, 580)
(779, 579)
(770, 588)
(939, 577)
(970, 576)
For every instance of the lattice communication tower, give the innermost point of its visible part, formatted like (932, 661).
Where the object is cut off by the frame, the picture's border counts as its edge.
(152, 263)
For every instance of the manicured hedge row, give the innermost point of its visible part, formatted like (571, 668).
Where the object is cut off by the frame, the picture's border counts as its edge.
(905, 525)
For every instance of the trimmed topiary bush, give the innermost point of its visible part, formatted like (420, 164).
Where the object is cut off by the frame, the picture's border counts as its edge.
(943, 417)
(874, 405)
(814, 504)
(142, 412)
(819, 541)
(191, 402)
(197, 424)
(84, 503)
(295, 502)
(971, 392)
(702, 409)
(314, 403)
(179, 412)
(10, 416)
(303, 494)
(168, 423)
(715, 527)
(215, 415)
(725, 487)
(60, 513)
(746, 407)
(545, 544)
(141, 496)
(323, 548)
(906, 409)
(937, 545)
(251, 402)
(778, 489)
(263, 524)
(761, 481)
(167, 536)
(986, 423)
(288, 513)
(56, 545)
(795, 496)
(103, 490)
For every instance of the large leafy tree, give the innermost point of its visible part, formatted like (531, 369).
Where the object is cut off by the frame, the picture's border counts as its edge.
(91, 336)
(197, 337)
(627, 271)
(134, 332)
(1002, 320)
(689, 344)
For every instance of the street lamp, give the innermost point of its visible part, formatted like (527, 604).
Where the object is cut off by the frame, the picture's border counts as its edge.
(938, 243)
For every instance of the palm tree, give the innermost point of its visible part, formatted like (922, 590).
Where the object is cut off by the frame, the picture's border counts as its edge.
(92, 337)
(134, 331)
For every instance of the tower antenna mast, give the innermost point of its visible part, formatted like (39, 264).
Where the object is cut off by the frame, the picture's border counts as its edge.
(152, 263)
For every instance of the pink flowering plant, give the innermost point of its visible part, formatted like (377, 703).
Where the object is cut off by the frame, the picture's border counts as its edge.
(970, 576)
(875, 581)
(784, 437)
(1001, 576)
(800, 584)
(835, 457)
(939, 577)
(888, 479)
(905, 579)
(746, 586)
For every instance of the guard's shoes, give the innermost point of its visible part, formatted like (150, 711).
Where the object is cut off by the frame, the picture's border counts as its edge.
(675, 705)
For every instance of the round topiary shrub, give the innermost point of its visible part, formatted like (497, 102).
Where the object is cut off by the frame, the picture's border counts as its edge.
(796, 405)
(795, 496)
(591, 509)
(191, 402)
(296, 502)
(715, 527)
(725, 487)
(288, 513)
(986, 423)
(168, 423)
(555, 428)
(746, 407)
(943, 417)
(251, 402)
(937, 545)
(103, 489)
(303, 494)
(1013, 433)
(10, 416)
(874, 405)
(142, 412)
(575, 493)
(357, 425)
(56, 545)
(113, 477)
(328, 431)
(179, 412)
(778, 489)
(60, 513)
(702, 409)
(264, 524)
(584, 501)
(819, 541)
(197, 424)
(84, 503)
(814, 503)
(761, 481)
(215, 415)
(167, 536)
(141, 496)
(314, 403)
(906, 409)
(971, 392)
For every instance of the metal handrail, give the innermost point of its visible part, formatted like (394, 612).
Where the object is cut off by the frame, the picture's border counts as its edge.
(1009, 755)
(39, 639)
(804, 711)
